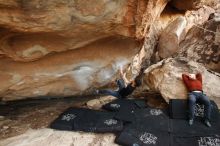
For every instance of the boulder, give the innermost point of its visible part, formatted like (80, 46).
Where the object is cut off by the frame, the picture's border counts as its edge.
(174, 33)
(165, 77)
(170, 28)
(170, 15)
(170, 38)
(194, 36)
(99, 102)
(202, 44)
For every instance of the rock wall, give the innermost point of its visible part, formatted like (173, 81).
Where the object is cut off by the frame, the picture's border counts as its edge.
(171, 37)
(32, 29)
(193, 4)
(63, 48)
(66, 73)
(193, 35)
(204, 45)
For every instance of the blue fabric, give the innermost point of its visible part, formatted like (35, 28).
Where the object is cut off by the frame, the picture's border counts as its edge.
(121, 85)
(110, 92)
(202, 98)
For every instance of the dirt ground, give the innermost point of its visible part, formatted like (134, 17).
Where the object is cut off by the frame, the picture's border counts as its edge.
(19, 116)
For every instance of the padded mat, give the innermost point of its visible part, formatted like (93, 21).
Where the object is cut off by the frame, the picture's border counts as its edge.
(66, 119)
(130, 104)
(142, 137)
(79, 119)
(125, 115)
(98, 121)
(211, 140)
(148, 126)
(179, 110)
(198, 128)
(151, 112)
(124, 108)
(152, 118)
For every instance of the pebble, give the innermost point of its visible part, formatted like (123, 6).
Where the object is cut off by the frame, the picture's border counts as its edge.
(5, 127)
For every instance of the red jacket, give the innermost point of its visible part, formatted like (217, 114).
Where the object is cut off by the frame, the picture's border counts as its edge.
(191, 84)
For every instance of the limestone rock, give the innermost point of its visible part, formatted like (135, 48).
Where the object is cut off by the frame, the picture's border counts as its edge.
(170, 28)
(199, 41)
(70, 17)
(202, 44)
(150, 11)
(198, 17)
(193, 4)
(98, 103)
(32, 29)
(5, 127)
(165, 77)
(50, 137)
(168, 15)
(170, 38)
(174, 33)
(94, 103)
(67, 73)
(29, 30)
(146, 30)
(62, 48)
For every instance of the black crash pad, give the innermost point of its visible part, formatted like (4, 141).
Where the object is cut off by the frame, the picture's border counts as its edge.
(66, 119)
(125, 115)
(130, 104)
(179, 110)
(79, 119)
(151, 112)
(182, 127)
(132, 136)
(209, 140)
(152, 118)
(98, 121)
(125, 108)
(141, 103)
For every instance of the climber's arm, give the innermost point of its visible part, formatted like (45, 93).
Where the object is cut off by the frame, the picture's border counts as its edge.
(123, 76)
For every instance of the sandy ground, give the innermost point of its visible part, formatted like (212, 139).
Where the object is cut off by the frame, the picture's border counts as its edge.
(50, 137)
(18, 117)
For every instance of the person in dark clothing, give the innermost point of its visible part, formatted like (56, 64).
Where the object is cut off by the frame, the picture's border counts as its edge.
(125, 87)
(193, 83)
